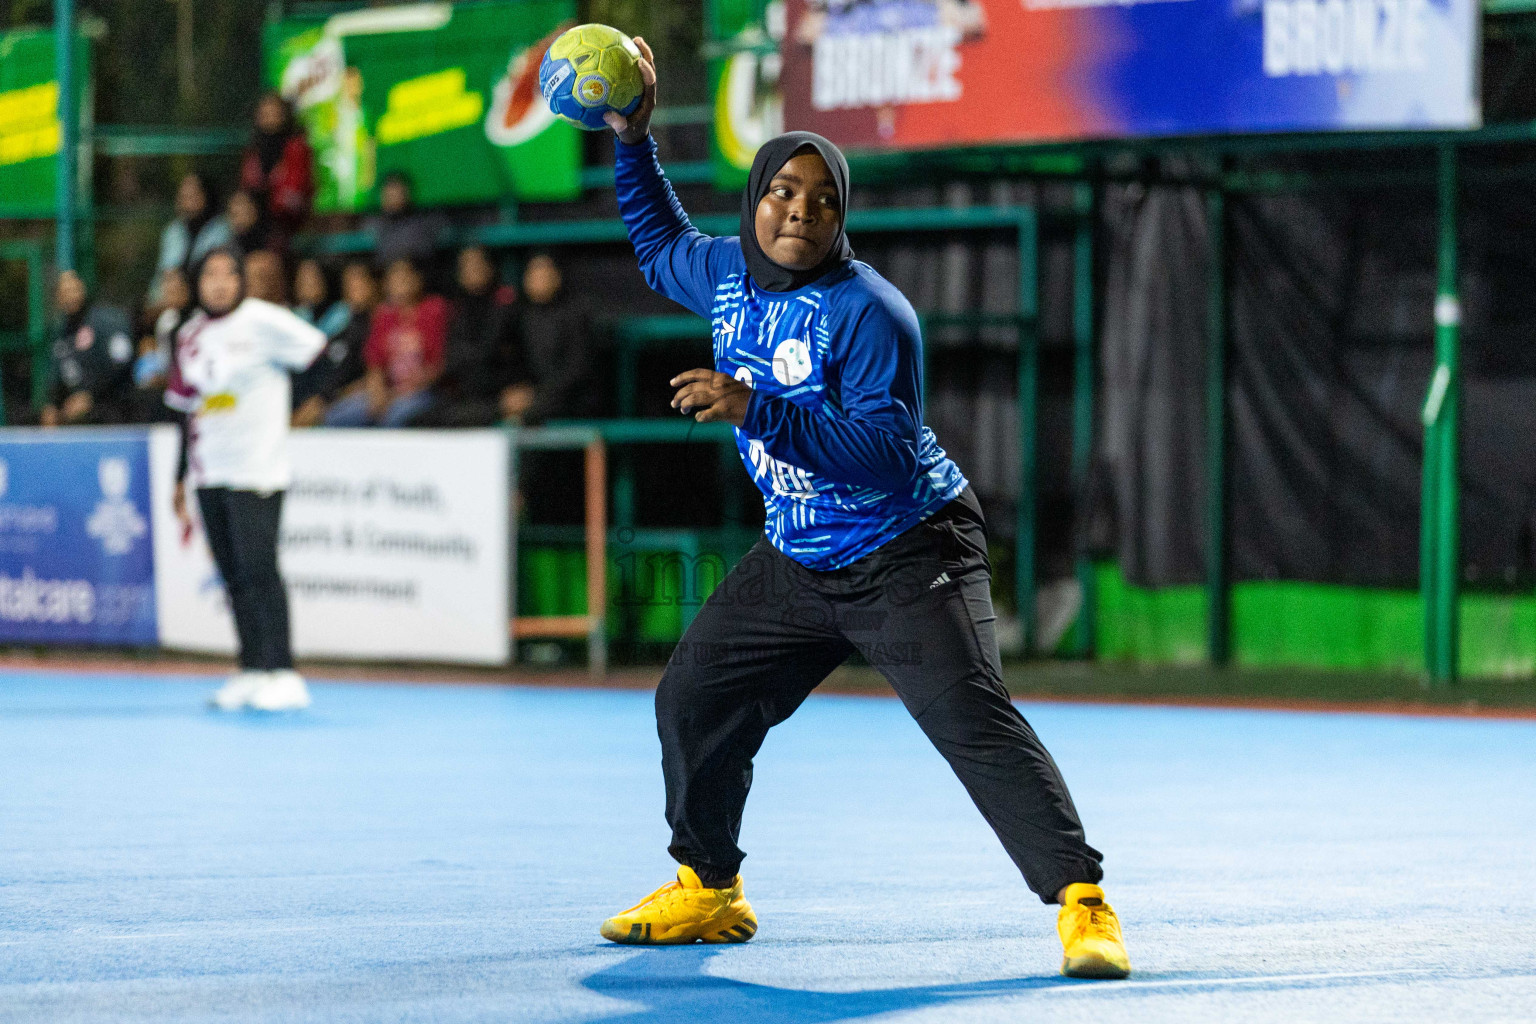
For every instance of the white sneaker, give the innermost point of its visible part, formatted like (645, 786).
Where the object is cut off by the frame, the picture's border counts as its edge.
(237, 690)
(283, 690)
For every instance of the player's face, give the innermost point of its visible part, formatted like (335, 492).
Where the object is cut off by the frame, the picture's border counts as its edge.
(219, 284)
(798, 219)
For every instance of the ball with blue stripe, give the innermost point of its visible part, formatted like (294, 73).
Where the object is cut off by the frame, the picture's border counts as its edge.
(588, 71)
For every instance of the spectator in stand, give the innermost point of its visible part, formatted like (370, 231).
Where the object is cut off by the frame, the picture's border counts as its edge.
(401, 231)
(157, 348)
(91, 373)
(553, 371)
(197, 229)
(175, 305)
(279, 169)
(312, 298)
(264, 277)
(406, 341)
(247, 230)
(338, 372)
(481, 333)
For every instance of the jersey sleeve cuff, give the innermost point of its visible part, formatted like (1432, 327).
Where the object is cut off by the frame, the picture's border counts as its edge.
(181, 401)
(633, 150)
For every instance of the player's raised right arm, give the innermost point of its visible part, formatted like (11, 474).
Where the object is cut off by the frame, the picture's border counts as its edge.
(674, 256)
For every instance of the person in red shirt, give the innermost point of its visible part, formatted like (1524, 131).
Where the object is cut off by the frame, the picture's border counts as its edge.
(279, 169)
(404, 355)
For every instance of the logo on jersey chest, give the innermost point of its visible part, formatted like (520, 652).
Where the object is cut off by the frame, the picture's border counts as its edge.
(791, 362)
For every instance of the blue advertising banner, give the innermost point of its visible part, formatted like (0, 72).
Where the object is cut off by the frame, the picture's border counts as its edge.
(76, 559)
(925, 74)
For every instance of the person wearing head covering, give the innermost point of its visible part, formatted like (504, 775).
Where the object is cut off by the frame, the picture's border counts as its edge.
(553, 368)
(477, 350)
(198, 227)
(278, 169)
(874, 543)
(230, 379)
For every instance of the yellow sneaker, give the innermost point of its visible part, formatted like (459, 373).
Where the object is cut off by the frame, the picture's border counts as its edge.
(1090, 935)
(684, 911)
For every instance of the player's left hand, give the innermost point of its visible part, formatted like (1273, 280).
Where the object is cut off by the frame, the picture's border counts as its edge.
(711, 397)
(637, 126)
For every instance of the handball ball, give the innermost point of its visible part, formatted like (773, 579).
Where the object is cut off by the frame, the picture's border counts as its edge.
(588, 71)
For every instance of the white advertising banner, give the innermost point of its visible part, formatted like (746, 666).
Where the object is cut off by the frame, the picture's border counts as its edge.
(394, 546)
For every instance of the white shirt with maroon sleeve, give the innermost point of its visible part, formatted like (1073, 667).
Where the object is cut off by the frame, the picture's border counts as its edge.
(230, 376)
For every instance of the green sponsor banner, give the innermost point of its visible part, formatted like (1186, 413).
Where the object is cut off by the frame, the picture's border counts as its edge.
(744, 75)
(29, 119)
(447, 93)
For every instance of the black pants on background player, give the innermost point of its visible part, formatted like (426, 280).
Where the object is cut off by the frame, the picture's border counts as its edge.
(242, 533)
(919, 609)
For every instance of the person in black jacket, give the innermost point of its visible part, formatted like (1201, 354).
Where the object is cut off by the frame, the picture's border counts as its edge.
(552, 377)
(477, 365)
(400, 229)
(90, 377)
(339, 368)
(552, 364)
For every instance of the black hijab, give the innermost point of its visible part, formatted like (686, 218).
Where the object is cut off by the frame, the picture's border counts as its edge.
(774, 154)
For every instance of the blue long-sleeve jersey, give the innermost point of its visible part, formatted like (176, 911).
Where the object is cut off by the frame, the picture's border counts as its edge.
(833, 434)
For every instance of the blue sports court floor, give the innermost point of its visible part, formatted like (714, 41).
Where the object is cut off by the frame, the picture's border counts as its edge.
(443, 854)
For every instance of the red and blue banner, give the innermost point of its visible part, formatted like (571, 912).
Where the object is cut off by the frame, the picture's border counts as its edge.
(927, 74)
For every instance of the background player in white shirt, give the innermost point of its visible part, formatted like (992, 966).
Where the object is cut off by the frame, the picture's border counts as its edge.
(230, 376)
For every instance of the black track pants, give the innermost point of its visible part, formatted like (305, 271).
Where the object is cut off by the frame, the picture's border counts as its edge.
(919, 609)
(242, 531)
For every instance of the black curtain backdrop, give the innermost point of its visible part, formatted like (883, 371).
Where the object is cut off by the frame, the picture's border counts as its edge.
(1150, 442)
(1331, 350)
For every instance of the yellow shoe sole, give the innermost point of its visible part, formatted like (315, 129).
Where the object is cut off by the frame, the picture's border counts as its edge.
(734, 927)
(1093, 966)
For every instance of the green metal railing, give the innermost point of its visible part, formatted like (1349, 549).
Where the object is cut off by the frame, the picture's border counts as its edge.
(1218, 599)
(1439, 534)
(34, 339)
(1083, 299)
(728, 540)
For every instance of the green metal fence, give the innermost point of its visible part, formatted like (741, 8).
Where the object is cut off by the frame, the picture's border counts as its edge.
(34, 338)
